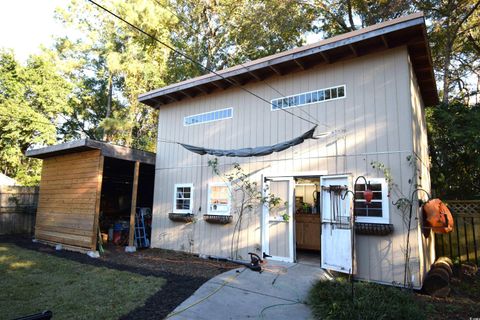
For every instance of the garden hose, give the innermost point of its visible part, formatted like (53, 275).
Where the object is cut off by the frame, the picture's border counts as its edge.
(230, 279)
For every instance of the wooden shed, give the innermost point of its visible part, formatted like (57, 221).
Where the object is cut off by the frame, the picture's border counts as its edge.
(87, 185)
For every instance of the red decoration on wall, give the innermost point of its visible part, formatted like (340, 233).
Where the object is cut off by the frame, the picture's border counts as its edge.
(437, 217)
(368, 195)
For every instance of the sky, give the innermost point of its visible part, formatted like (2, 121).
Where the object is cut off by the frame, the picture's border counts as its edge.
(26, 24)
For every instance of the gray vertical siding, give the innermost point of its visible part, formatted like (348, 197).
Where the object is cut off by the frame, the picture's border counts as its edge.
(376, 117)
(420, 146)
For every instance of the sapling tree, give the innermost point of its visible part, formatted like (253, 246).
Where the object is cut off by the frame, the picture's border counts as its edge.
(247, 198)
(404, 203)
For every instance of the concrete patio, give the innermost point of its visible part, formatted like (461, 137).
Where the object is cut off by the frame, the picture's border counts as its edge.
(279, 292)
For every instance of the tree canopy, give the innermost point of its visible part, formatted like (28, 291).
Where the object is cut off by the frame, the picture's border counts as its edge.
(32, 100)
(454, 139)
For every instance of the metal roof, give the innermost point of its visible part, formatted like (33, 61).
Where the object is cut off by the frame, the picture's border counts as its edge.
(407, 31)
(107, 149)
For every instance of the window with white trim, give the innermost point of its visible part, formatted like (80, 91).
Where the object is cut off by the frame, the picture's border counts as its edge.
(183, 198)
(377, 211)
(219, 198)
(210, 116)
(306, 98)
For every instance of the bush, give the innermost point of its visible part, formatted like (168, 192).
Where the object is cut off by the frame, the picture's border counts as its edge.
(333, 300)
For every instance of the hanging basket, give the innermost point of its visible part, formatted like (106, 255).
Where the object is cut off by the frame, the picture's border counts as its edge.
(218, 219)
(181, 217)
(373, 229)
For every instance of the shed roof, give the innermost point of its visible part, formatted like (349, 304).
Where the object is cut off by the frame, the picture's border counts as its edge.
(409, 31)
(107, 149)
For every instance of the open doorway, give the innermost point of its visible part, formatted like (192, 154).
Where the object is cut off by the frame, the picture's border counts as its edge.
(116, 199)
(307, 220)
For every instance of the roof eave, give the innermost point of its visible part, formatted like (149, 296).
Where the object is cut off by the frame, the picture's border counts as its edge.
(300, 59)
(107, 150)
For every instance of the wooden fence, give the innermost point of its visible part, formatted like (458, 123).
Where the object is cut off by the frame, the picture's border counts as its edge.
(18, 206)
(463, 243)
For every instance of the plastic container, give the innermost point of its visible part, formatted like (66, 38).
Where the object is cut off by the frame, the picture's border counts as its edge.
(104, 237)
(110, 233)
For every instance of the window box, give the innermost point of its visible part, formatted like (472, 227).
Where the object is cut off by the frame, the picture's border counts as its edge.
(373, 229)
(218, 219)
(181, 217)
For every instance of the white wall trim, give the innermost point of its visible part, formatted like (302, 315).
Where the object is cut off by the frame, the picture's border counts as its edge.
(182, 185)
(209, 194)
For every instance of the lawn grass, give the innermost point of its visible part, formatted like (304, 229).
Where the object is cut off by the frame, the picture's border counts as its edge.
(333, 300)
(31, 282)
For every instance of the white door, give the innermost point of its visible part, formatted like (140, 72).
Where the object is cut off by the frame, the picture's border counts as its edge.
(337, 224)
(277, 222)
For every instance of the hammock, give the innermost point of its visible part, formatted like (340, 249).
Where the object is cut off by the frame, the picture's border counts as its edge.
(252, 152)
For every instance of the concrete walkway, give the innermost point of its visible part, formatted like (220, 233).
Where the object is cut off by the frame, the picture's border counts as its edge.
(277, 293)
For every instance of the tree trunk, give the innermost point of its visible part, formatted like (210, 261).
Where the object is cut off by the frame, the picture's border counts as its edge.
(350, 15)
(109, 105)
(446, 68)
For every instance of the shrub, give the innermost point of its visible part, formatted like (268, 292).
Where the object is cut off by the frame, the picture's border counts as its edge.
(333, 300)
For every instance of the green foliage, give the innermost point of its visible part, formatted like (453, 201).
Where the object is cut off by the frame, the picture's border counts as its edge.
(250, 193)
(247, 197)
(454, 31)
(404, 203)
(453, 27)
(31, 100)
(224, 33)
(331, 299)
(454, 139)
(340, 16)
(109, 66)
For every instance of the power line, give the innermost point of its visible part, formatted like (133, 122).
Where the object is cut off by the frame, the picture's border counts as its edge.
(240, 63)
(193, 60)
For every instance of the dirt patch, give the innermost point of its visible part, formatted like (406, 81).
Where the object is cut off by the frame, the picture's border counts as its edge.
(183, 272)
(463, 301)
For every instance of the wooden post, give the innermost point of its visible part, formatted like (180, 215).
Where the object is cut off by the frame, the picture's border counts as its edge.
(97, 202)
(134, 203)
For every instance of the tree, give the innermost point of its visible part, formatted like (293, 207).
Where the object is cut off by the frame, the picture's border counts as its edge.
(109, 65)
(31, 98)
(454, 138)
(247, 199)
(453, 32)
(453, 29)
(224, 33)
(341, 16)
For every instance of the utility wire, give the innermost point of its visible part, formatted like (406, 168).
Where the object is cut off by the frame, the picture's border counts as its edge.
(240, 63)
(193, 60)
(9, 116)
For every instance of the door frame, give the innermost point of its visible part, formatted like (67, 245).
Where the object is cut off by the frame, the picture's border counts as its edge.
(265, 211)
(349, 178)
(266, 219)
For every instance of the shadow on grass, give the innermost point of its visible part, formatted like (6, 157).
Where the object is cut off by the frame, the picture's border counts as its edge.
(159, 304)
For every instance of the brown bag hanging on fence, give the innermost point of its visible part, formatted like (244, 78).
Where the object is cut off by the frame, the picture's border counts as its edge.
(437, 216)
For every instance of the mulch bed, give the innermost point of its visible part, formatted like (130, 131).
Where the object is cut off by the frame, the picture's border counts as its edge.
(463, 302)
(183, 272)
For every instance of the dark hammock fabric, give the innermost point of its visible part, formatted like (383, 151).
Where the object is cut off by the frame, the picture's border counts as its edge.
(252, 152)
